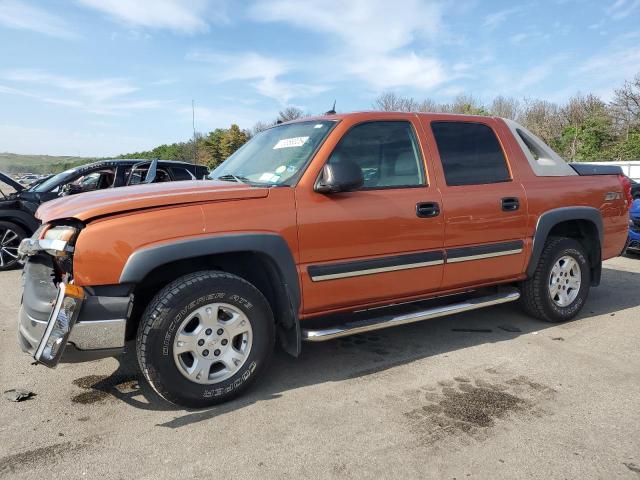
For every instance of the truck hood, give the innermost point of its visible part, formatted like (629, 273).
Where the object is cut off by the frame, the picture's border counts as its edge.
(85, 206)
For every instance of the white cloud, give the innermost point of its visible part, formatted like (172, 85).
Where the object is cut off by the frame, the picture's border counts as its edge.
(69, 141)
(610, 68)
(95, 90)
(494, 20)
(263, 73)
(102, 96)
(19, 15)
(207, 118)
(191, 16)
(366, 25)
(530, 37)
(621, 9)
(539, 72)
(395, 71)
(372, 39)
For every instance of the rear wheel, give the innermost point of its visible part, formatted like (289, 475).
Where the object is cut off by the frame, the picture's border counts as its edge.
(204, 338)
(560, 284)
(10, 237)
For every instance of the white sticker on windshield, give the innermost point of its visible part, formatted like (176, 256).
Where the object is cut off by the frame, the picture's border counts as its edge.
(290, 142)
(319, 125)
(268, 177)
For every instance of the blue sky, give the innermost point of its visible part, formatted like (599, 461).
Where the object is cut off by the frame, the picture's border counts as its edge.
(102, 77)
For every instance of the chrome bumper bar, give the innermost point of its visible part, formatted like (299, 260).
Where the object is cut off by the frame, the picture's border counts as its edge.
(104, 338)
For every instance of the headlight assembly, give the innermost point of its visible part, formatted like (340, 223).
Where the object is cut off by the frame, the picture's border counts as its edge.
(55, 240)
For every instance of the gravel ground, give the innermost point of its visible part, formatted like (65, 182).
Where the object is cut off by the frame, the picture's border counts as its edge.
(523, 400)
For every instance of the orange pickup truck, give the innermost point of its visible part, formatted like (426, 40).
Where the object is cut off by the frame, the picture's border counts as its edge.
(313, 230)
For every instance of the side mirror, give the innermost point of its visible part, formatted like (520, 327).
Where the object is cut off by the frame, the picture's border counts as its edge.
(70, 189)
(343, 176)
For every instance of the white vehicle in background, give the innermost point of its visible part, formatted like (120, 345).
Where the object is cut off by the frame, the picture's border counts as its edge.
(28, 179)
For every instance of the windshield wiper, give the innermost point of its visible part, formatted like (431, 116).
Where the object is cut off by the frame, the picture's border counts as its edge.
(233, 178)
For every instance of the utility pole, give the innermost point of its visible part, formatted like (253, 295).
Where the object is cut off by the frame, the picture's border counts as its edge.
(193, 123)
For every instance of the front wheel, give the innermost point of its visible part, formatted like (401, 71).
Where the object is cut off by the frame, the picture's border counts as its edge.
(204, 338)
(560, 284)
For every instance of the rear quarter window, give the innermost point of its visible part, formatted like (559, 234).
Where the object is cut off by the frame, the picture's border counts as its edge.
(470, 153)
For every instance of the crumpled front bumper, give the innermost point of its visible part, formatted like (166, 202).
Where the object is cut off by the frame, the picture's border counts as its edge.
(99, 330)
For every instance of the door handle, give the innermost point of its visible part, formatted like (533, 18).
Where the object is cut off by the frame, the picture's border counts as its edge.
(427, 209)
(509, 204)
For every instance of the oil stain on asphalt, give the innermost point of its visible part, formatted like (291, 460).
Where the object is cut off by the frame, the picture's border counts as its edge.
(100, 387)
(40, 456)
(471, 408)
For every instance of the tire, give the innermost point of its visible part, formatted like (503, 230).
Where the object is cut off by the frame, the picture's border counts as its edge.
(10, 237)
(536, 293)
(166, 321)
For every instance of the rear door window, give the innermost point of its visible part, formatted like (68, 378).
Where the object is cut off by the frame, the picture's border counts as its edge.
(470, 153)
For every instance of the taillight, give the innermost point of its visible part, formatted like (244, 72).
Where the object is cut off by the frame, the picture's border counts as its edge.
(626, 188)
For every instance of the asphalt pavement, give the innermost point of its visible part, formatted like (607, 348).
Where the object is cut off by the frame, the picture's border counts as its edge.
(508, 397)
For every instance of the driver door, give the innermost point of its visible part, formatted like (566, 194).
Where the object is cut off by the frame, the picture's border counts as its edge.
(381, 242)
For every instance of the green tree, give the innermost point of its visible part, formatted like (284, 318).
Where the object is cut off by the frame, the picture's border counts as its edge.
(582, 128)
(588, 132)
(232, 140)
(628, 147)
(213, 147)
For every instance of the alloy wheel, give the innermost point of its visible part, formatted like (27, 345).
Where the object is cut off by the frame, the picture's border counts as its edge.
(212, 343)
(564, 281)
(9, 243)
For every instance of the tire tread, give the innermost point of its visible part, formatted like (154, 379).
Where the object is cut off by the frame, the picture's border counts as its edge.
(534, 297)
(152, 312)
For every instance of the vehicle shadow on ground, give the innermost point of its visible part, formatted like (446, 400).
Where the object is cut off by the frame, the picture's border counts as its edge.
(370, 353)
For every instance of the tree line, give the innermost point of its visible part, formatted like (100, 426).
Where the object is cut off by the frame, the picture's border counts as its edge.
(584, 128)
(213, 148)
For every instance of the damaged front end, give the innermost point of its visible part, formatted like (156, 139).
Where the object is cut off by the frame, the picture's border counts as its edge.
(63, 316)
(60, 321)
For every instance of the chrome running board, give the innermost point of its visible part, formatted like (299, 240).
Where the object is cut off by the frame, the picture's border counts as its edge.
(504, 295)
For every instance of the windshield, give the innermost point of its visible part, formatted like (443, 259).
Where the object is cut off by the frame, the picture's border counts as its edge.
(275, 156)
(53, 181)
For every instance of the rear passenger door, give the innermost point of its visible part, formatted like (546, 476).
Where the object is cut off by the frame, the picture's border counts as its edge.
(381, 242)
(485, 208)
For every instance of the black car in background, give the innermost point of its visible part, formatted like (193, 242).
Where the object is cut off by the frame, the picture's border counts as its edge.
(18, 204)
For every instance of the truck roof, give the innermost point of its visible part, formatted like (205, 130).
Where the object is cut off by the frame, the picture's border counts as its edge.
(363, 115)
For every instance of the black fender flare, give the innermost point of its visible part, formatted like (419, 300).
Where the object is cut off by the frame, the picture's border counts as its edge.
(21, 218)
(551, 218)
(143, 261)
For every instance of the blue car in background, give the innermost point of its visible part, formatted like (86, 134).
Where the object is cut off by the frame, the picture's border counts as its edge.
(633, 244)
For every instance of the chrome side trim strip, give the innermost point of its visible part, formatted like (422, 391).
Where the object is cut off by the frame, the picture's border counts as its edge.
(502, 296)
(357, 273)
(484, 255)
